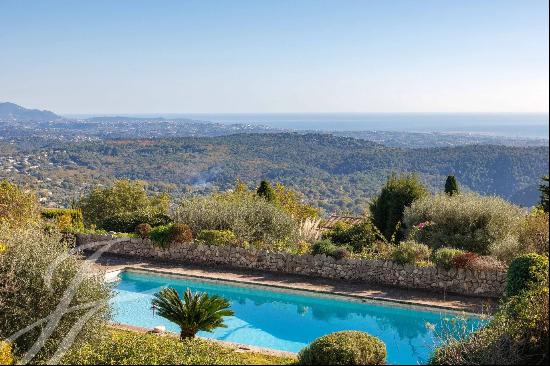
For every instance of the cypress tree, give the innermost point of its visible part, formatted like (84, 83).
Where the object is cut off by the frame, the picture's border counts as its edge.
(544, 190)
(388, 207)
(451, 186)
(265, 191)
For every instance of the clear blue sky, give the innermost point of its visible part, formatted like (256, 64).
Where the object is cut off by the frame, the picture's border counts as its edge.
(137, 56)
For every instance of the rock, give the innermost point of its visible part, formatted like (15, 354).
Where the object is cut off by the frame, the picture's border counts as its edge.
(159, 329)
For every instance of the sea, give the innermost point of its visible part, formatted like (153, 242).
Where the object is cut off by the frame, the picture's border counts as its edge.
(530, 125)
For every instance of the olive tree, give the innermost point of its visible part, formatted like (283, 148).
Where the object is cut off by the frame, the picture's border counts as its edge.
(28, 295)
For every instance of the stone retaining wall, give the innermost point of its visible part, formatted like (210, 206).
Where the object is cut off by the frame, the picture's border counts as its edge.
(458, 281)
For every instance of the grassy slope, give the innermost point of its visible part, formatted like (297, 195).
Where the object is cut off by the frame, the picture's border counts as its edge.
(121, 347)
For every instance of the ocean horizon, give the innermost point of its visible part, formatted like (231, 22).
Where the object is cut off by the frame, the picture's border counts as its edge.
(530, 125)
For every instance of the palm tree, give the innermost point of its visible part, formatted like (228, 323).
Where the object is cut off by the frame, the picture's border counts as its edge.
(197, 311)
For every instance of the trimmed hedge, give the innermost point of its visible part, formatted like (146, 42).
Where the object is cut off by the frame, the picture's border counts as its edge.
(180, 233)
(411, 252)
(525, 272)
(444, 257)
(464, 260)
(160, 235)
(344, 348)
(164, 235)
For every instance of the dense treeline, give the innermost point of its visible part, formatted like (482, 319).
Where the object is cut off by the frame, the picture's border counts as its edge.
(335, 173)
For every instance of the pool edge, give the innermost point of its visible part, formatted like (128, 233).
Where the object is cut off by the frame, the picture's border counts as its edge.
(325, 294)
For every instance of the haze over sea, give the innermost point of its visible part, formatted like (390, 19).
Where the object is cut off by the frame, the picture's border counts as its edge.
(533, 125)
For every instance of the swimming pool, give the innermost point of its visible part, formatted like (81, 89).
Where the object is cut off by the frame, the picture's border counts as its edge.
(287, 320)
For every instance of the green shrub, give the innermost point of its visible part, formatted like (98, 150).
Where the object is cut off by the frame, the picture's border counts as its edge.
(124, 197)
(127, 222)
(324, 246)
(464, 259)
(411, 252)
(464, 221)
(64, 218)
(143, 230)
(341, 253)
(344, 348)
(217, 237)
(328, 248)
(160, 235)
(516, 335)
(251, 218)
(525, 272)
(507, 249)
(25, 297)
(118, 347)
(17, 207)
(534, 235)
(180, 233)
(338, 234)
(358, 236)
(380, 249)
(443, 257)
(292, 202)
(6, 357)
(285, 198)
(388, 207)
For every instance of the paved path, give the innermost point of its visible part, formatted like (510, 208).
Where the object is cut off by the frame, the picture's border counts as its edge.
(361, 290)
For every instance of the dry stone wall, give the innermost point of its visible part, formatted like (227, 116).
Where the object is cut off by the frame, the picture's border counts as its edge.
(458, 281)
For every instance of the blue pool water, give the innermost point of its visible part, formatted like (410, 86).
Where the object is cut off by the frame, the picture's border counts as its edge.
(289, 321)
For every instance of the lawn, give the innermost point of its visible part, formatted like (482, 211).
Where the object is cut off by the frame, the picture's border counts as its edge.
(124, 347)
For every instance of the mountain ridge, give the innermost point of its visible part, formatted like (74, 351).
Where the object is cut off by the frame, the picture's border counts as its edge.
(12, 111)
(334, 173)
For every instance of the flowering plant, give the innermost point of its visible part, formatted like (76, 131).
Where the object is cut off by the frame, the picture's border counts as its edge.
(423, 225)
(419, 231)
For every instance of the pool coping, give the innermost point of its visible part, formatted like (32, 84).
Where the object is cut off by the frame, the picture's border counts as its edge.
(310, 285)
(305, 292)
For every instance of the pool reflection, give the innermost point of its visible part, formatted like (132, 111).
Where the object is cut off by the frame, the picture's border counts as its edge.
(288, 321)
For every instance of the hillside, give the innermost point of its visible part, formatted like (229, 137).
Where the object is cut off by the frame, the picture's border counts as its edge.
(336, 173)
(11, 111)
